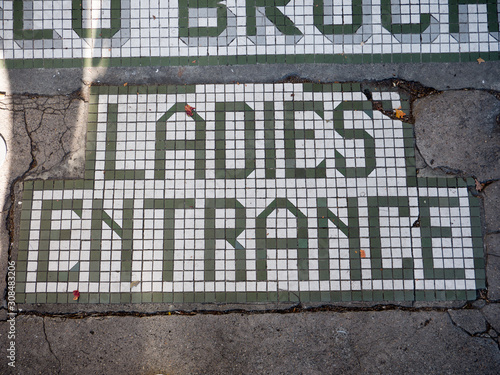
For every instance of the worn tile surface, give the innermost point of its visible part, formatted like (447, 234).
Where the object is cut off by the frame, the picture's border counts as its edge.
(69, 33)
(267, 192)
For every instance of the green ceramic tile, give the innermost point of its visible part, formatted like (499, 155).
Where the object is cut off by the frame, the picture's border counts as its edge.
(228, 204)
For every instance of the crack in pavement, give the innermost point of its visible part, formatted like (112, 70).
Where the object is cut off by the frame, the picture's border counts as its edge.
(413, 89)
(483, 334)
(20, 105)
(298, 308)
(10, 216)
(50, 346)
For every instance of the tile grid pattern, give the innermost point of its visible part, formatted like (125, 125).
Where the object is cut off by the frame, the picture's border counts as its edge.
(69, 33)
(270, 192)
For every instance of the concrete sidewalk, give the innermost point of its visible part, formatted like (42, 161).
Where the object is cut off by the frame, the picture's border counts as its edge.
(258, 191)
(352, 337)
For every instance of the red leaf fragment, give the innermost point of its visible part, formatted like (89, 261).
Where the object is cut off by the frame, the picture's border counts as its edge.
(189, 110)
(76, 295)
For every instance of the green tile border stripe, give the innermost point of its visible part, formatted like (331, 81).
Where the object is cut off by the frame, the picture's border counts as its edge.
(196, 40)
(326, 297)
(249, 60)
(247, 297)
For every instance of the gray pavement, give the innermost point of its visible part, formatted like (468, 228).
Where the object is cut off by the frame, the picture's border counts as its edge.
(350, 342)
(440, 76)
(394, 112)
(456, 133)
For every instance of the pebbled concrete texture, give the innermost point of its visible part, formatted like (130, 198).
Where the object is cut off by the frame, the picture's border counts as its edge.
(493, 275)
(395, 342)
(458, 131)
(491, 196)
(492, 314)
(471, 321)
(492, 242)
(440, 76)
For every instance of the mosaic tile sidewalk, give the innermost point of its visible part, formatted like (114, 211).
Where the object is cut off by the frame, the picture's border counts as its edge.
(265, 192)
(69, 33)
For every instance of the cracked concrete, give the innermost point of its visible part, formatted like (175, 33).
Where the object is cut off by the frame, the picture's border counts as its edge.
(56, 129)
(48, 134)
(475, 323)
(440, 76)
(492, 314)
(471, 321)
(463, 139)
(393, 342)
(50, 346)
(491, 194)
